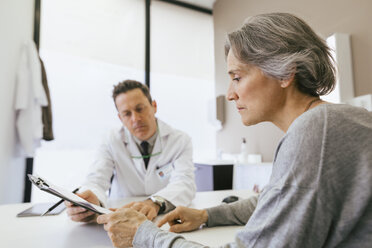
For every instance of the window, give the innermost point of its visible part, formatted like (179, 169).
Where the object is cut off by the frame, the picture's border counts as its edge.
(89, 45)
(182, 72)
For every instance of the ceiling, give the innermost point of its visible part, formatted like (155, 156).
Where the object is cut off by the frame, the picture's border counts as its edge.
(208, 4)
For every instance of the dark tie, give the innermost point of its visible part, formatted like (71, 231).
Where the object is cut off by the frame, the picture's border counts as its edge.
(145, 152)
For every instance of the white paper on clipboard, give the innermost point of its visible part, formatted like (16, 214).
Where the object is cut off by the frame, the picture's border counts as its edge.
(66, 195)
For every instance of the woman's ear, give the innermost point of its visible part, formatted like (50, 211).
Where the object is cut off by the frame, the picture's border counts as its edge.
(284, 83)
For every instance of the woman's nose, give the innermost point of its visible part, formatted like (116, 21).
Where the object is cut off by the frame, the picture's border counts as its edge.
(231, 95)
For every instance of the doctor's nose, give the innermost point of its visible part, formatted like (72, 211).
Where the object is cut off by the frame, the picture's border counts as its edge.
(135, 117)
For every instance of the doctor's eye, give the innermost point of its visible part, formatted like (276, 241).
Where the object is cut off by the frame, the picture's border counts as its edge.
(126, 114)
(139, 109)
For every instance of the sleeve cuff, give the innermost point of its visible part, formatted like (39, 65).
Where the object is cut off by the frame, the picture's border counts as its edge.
(214, 215)
(149, 235)
(210, 212)
(145, 235)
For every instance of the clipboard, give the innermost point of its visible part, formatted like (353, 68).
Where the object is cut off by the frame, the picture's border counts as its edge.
(46, 186)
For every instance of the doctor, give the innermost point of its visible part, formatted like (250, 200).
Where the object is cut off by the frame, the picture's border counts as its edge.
(144, 157)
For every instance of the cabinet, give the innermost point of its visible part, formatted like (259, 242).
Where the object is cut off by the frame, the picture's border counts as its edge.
(221, 175)
(214, 175)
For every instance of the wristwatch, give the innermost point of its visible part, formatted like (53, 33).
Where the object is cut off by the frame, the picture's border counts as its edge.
(158, 200)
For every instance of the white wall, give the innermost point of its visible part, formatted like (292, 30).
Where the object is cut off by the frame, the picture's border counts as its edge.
(108, 31)
(16, 26)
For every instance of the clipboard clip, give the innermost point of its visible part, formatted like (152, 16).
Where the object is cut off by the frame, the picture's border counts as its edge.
(38, 181)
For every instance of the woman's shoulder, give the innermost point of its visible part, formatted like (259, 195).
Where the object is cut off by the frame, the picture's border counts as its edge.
(331, 116)
(312, 119)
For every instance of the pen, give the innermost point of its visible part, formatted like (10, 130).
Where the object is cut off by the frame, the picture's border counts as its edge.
(58, 203)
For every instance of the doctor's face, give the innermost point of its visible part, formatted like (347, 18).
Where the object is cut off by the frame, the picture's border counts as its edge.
(136, 113)
(257, 97)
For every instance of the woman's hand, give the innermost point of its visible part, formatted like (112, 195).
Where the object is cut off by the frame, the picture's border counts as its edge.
(184, 219)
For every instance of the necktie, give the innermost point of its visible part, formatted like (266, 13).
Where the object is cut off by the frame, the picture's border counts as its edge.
(145, 152)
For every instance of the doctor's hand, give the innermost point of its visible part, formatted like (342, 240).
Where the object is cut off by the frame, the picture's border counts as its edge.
(121, 225)
(184, 219)
(80, 214)
(146, 207)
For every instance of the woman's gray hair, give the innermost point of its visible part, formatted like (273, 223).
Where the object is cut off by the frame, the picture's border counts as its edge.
(282, 45)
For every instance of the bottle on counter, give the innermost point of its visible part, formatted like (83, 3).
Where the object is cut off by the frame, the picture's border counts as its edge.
(243, 152)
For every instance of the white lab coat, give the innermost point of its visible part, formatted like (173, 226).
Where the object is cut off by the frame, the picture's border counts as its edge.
(132, 179)
(29, 98)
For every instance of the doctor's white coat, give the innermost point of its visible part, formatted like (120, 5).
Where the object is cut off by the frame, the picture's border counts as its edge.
(169, 174)
(30, 97)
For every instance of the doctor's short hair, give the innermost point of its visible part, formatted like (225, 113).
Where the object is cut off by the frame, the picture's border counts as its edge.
(283, 45)
(128, 85)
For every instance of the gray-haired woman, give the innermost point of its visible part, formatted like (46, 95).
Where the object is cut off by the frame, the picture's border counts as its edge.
(320, 191)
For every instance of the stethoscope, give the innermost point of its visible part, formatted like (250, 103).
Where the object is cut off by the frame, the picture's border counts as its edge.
(147, 156)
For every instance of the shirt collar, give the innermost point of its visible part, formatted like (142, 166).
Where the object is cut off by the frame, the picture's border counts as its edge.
(151, 140)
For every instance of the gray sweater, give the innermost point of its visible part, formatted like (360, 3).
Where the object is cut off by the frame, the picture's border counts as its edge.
(319, 194)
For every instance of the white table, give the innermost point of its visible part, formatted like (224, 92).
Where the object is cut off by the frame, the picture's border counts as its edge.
(60, 231)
